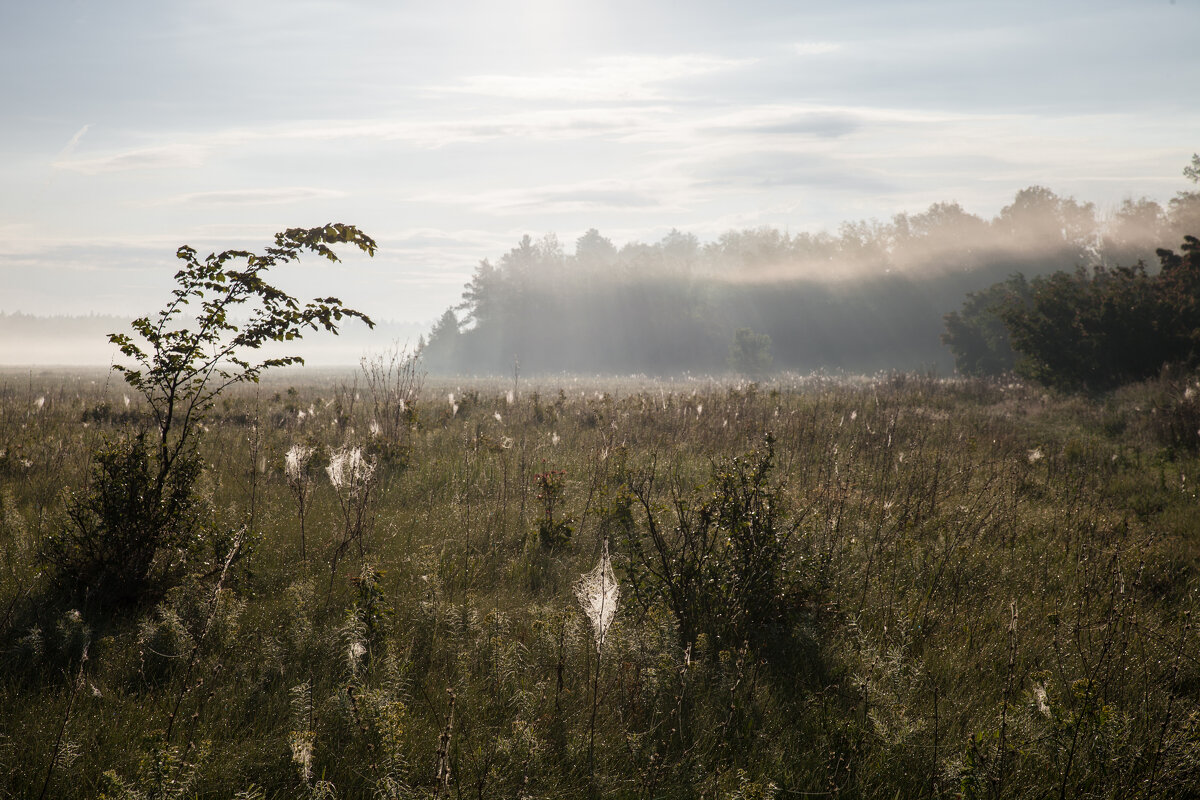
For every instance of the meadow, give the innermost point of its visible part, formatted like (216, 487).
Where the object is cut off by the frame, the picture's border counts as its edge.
(890, 586)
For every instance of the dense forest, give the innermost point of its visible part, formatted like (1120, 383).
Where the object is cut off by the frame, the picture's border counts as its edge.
(872, 296)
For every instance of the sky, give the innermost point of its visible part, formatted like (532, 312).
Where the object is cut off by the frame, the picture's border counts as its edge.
(448, 130)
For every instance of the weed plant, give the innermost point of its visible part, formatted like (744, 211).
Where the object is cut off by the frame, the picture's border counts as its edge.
(914, 588)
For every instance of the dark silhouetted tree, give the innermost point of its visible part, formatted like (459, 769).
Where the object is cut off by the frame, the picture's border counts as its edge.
(976, 333)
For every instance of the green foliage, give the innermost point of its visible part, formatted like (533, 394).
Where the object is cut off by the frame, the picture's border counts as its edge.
(977, 335)
(133, 532)
(1092, 329)
(1089, 331)
(180, 370)
(749, 510)
(369, 612)
(129, 537)
(993, 591)
(750, 353)
(441, 350)
(553, 532)
(1098, 329)
(722, 568)
(1175, 406)
(1178, 288)
(1192, 171)
(164, 773)
(866, 297)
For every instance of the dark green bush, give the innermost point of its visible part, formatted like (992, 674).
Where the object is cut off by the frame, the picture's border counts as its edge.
(977, 335)
(1092, 330)
(553, 532)
(129, 536)
(722, 567)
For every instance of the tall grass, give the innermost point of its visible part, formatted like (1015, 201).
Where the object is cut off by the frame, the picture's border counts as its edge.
(950, 617)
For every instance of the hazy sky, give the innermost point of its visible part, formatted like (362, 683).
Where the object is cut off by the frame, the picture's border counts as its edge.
(448, 130)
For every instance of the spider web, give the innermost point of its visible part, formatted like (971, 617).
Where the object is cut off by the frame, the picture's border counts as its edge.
(598, 593)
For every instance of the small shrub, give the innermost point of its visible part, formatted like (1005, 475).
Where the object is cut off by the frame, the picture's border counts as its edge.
(722, 568)
(129, 536)
(552, 532)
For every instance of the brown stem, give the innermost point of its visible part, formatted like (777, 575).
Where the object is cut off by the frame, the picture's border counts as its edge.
(62, 728)
(187, 676)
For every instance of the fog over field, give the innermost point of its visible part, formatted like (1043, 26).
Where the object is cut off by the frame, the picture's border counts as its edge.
(785, 141)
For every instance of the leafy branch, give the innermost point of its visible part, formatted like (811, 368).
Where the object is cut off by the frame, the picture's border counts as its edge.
(181, 370)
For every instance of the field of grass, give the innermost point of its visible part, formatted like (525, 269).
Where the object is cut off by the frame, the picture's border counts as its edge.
(891, 587)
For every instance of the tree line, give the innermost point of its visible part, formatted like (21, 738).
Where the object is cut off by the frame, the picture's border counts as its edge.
(874, 295)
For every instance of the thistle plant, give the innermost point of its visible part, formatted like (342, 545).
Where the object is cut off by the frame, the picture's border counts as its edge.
(300, 481)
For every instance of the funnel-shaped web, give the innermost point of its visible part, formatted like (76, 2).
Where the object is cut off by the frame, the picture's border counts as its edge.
(598, 593)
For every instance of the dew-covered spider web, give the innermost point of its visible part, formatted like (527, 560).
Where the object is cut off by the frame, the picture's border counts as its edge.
(598, 593)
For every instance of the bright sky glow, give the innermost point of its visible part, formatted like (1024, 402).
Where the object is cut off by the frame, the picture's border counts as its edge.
(447, 131)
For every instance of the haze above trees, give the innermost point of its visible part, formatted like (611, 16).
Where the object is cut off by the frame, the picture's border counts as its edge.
(872, 296)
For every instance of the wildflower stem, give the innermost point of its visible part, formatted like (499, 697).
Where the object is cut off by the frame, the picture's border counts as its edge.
(62, 728)
(213, 605)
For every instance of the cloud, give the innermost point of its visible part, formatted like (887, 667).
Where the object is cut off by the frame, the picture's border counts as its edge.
(195, 149)
(816, 48)
(788, 168)
(610, 79)
(792, 122)
(162, 157)
(275, 196)
(602, 195)
(542, 125)
(72, 144)
(585, 199)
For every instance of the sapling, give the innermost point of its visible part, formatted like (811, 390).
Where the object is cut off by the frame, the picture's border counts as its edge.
(181, 370)
(131, 532)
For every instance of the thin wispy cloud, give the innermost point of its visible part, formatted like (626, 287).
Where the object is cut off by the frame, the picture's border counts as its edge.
(789, 121)
(274, 196)
(784, 168)
(142, 158)
(195, 149)
(72, 144)
(597, 195)
(816, 48)
(610, 79)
